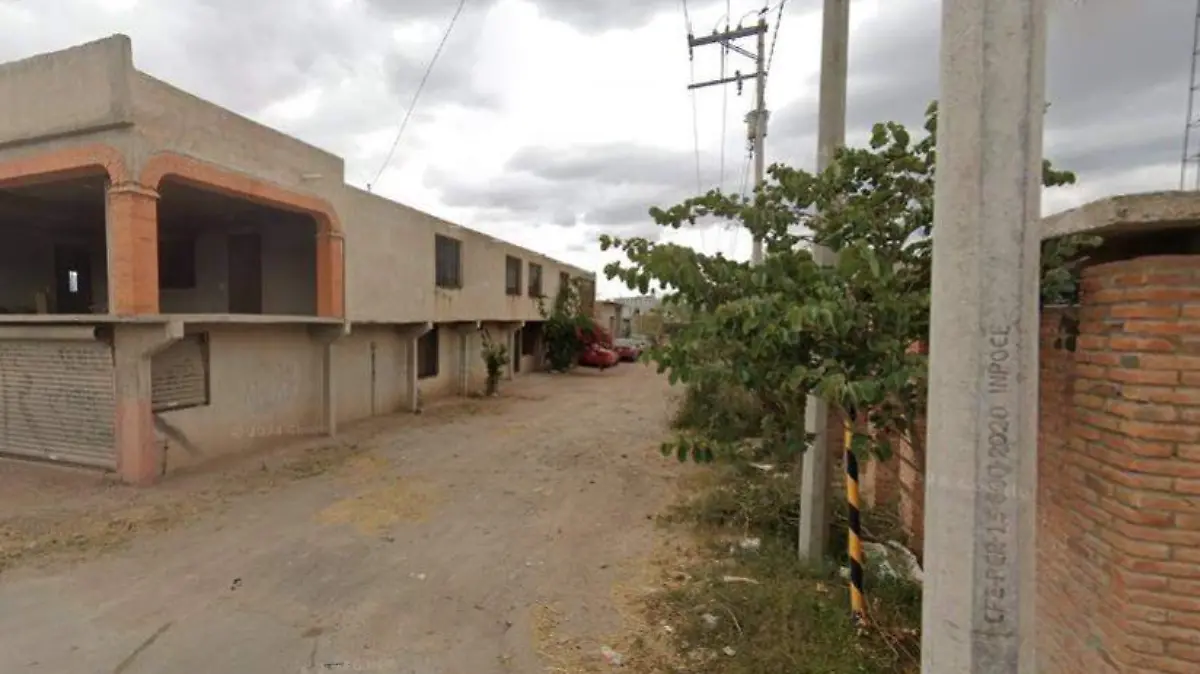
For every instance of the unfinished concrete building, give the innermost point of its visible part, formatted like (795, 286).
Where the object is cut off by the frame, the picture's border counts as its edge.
(178, 281)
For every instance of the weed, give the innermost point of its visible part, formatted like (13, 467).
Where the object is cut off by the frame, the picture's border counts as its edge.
(713, 405)
(788, 616)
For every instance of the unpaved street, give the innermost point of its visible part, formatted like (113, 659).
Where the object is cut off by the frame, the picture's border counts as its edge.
(483, 536)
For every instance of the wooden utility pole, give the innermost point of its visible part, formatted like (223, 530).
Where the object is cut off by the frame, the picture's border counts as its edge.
(757, 119)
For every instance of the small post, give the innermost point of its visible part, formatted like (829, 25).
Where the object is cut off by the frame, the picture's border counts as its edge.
(854, 540)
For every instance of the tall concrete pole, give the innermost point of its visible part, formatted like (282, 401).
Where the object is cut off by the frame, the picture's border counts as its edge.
(760, 125)
(981, 462)
(831, 134)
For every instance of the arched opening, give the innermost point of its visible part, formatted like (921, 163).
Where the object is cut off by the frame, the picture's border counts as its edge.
(218, 253)
(54, 257)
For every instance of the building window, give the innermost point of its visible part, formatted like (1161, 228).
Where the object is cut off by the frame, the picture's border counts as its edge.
(564, 281)
(427, 354)
(177, 264)
(535, 280)
(512, 275)
(448, 262)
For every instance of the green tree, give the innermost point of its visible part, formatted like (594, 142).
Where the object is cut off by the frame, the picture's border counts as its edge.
(495, 359)
(564, 321)
(790, 326)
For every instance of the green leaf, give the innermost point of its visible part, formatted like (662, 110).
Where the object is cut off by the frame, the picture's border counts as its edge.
(750, 341)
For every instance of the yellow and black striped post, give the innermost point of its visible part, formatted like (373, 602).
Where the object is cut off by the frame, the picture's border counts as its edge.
(857, 607)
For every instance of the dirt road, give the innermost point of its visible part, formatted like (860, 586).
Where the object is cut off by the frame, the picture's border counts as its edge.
(484, 536)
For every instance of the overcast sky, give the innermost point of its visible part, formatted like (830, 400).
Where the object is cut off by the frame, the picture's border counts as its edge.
(548, 122)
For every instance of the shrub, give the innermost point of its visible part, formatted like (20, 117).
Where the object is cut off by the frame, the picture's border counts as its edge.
(495, 359)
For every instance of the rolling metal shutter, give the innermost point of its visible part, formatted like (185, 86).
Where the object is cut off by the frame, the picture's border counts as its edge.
(58, 398)
(179, 375)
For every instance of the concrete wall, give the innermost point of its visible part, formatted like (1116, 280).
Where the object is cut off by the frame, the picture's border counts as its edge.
(608, 316)
(88, 86)
(265, 385)
(391, 264)
(170, 119)
(371, 372)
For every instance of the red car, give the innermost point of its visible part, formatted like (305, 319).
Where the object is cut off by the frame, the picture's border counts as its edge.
(597, 356)
(627, 352)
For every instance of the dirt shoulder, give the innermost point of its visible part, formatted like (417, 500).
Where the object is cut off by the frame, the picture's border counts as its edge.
(518, 525)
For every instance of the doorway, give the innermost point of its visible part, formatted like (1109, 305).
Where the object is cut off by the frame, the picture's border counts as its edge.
(72, 279)
(514, 348)
(245, 274)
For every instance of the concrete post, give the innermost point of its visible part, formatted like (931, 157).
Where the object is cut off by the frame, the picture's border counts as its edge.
(831, 134)
(981, 462)
(139, 455)
(328, 335)
(411, 379)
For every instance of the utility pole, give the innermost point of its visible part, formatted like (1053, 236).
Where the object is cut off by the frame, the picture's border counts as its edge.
(981, 463)
(831, 134)
(757, 119)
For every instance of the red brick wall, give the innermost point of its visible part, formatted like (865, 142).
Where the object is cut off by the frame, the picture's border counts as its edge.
(1074, 611)
(1134, 464)
(1119, 475)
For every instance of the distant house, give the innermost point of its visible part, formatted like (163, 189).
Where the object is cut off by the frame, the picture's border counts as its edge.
(640, 316)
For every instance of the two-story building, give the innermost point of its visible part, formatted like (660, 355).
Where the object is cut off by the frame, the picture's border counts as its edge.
(177, 281)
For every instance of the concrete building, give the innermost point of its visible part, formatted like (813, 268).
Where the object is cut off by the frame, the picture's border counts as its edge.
(178, 281)
(640, 316)
(608, 315)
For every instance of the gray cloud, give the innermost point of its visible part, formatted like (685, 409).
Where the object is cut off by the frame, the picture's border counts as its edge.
(1116, 80)
(611, 185)
(586, 15)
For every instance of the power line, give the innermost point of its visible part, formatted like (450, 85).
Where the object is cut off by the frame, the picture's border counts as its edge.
(775, 36)
(417, 94)
(687, 21)
(746, 173)
(724, 98)
(737, 231)
(757, 119)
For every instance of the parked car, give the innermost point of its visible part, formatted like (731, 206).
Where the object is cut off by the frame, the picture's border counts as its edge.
(627, 350)
(595, 355)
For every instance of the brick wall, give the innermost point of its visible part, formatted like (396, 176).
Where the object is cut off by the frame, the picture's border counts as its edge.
(1119, 475)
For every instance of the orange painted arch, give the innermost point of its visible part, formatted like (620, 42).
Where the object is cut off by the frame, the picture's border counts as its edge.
(330, 245)
(73, 162)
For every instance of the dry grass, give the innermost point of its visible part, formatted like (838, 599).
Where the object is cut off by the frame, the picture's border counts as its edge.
(793, 618)
(378, 509)
(90, 529)
(110, 516)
